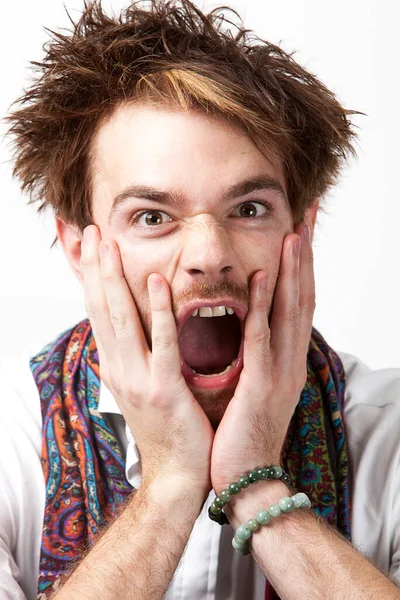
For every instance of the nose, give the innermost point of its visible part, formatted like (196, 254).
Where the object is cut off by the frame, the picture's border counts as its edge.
(207, 251)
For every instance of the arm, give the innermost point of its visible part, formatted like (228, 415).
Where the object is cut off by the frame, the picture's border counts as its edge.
(304, 557)
(301, 556)
(138, 554)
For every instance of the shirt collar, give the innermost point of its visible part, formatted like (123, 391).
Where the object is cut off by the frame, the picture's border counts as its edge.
(108, 404)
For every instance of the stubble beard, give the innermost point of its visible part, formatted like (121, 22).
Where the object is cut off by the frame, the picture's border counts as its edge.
(214, 403)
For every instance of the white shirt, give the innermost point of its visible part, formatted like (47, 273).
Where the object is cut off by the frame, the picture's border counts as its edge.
(209, 569)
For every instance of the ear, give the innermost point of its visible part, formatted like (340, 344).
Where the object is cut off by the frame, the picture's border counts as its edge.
(310, 215)
(70, 239)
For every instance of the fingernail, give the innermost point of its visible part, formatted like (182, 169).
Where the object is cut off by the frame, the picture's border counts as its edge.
(296, 248)
(263, 284)
(104, 248)
(155, 284)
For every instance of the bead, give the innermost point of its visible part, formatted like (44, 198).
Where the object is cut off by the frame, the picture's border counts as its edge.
(216, 510)
(263, 517)
(234, 488)
(240, 549)
(286, 479)
(243, 533)
(286, 504)
(244, 481)
(297, 501)
(215, 518)
(240, 542)
(271, 472)
(262, 473)
(221, 519)
(253, 477)
(219, 502)
(278, 472)
(225, 496)
(252, 524)
(304, 499)
(274, 510)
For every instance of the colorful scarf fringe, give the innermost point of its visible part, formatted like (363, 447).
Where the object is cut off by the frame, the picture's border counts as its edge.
(85, 473)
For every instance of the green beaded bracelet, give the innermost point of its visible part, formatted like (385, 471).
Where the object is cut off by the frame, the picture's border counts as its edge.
(263, 517)
(215, 511)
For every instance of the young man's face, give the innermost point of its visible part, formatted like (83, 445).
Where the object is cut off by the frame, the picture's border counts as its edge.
(204, 244)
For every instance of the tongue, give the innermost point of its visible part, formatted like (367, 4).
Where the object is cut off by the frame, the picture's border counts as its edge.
(208, 345)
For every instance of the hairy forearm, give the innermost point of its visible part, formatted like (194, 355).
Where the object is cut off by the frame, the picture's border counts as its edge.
(138, 555)
(304, 558)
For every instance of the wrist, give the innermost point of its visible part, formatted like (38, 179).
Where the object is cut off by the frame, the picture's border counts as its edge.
(259, 496)
(174, 490)
(268, 518)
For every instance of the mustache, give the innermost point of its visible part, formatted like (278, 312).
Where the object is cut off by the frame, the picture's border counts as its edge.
(210, 291)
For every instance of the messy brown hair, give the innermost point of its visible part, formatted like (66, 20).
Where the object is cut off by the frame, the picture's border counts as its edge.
(169, 52)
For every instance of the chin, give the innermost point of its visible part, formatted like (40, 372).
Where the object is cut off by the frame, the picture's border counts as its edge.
(214, 402)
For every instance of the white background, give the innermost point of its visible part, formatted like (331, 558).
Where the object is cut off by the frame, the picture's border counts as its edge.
(352, 47)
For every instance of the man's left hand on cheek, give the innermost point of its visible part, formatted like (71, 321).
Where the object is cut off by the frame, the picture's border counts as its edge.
(254, 427)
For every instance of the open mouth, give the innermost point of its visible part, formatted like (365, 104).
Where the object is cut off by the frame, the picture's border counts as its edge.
(211, 346)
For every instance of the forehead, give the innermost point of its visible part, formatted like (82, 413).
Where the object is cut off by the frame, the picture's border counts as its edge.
(196, 154)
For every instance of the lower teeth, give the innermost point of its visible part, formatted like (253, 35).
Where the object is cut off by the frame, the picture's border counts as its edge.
(228, 368)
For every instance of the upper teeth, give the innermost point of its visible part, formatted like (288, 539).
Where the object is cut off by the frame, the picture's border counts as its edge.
(212, 311)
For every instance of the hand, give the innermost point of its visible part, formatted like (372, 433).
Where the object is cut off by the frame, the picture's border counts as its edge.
(253, 429)
(171, 430)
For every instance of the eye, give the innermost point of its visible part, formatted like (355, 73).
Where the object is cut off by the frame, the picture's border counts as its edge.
(150, 218)
(252, 210)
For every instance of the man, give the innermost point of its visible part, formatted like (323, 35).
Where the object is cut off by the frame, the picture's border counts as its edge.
(185, 169)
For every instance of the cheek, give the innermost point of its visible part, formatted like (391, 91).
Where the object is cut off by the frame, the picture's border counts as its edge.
(263, 252)
(142, 257)
(139, 260)
(148, 255)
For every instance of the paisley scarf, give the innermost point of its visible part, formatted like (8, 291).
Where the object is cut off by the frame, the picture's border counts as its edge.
(84, 469)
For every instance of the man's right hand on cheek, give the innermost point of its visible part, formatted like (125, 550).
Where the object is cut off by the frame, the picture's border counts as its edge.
(171, 430)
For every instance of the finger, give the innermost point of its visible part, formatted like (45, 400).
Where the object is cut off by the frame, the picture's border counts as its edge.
(131, 344)
(307, 292)
(256, 346)
(286, 311)
(95, 298)
(166, 364)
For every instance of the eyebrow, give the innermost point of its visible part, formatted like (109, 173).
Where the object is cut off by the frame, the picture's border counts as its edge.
(177, 199)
